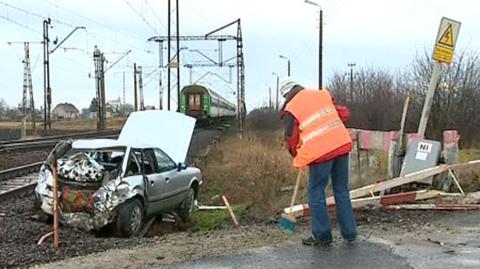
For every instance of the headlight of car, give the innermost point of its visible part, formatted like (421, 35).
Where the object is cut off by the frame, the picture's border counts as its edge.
(45, 177)
(42, 177)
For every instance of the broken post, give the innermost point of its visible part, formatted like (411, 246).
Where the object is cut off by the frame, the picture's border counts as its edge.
(450, 155)
(398, 147)
(56, 240)
(230, 211)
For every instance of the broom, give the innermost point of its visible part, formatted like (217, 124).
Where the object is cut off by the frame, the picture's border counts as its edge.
(287, 221)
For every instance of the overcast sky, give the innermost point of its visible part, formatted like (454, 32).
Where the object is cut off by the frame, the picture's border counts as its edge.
(377, 33)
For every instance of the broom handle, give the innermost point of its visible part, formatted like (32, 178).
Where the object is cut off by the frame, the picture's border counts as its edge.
(295, 190)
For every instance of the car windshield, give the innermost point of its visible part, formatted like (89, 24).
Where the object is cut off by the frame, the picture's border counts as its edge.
(109, 158)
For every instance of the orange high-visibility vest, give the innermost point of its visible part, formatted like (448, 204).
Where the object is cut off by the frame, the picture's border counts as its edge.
(321, 129)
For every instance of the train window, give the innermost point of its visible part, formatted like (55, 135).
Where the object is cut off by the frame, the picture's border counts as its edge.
(195, 102)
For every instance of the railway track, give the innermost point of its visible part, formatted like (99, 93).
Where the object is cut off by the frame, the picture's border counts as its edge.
(47, 142)
(18, 179)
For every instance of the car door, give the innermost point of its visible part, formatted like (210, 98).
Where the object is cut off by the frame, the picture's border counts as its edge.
(175, 186)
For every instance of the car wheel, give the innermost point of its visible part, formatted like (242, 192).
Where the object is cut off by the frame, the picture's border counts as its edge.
(130, 218)
(186, 209)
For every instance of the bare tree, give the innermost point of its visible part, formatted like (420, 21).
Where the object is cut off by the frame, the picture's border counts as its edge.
(375, 97)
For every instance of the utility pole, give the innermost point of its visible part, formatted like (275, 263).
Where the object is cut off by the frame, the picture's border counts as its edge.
(288, 63)
(140, 88)
(99, 60)
(351, 65)
(169, 45)
(100, 70)
(30, 87)
(320, 42)
(135, 97)
(28, 106)
(178, 56)
(320, 51)
(276, 92)
(46, 76)
(241, 77)
(269, 97)
(98, 85)
(24, 93)
(46, 71)
(103, 101)
(160, 66)
(190, 71)
(123, 84)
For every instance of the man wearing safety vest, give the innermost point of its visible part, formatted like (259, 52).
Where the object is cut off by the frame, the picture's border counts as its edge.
(316, 137)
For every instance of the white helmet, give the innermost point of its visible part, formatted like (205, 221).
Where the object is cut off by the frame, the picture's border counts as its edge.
(287, 85)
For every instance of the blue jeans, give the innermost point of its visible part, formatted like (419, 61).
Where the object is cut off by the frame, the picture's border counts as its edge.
(318, 180)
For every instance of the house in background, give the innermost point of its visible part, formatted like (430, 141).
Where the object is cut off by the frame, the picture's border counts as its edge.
(65, 111)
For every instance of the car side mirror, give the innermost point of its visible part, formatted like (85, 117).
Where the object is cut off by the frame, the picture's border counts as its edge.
(181, 166)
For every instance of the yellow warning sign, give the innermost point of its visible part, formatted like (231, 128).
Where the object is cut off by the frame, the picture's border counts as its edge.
(446, 40)
(447, 37)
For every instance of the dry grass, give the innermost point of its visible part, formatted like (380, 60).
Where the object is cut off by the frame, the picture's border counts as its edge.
(250, 171)
(469, 178)
(77, 124)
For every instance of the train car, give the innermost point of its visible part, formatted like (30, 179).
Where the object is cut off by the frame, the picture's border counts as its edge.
(204, 104)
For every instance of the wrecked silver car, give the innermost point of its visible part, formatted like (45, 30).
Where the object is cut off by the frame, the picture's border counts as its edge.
(122, 182)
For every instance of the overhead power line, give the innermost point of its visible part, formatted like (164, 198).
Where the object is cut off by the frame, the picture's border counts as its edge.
(33, 14)
(141, 16)
(92, 20)
(155, 14)
(20, 24)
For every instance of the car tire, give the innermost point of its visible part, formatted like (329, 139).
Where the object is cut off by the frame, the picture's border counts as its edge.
(130, 218)
(186, 209)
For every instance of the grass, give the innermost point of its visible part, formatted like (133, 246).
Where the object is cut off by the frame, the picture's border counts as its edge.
(249, 171)
(470, 177)
(207, 220)
(76, 124)
(467, 155)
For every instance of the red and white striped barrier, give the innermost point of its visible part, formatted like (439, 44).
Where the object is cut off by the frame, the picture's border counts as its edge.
(385, 200)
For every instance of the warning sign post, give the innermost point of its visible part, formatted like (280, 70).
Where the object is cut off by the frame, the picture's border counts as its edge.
(446, 40)
(442, 53)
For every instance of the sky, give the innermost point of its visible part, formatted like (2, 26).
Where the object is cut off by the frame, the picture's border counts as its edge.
(369, 33)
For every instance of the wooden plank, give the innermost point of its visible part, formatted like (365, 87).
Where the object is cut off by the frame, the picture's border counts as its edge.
(299, 210)
(395, 182)
(302, 210)
(434, 207)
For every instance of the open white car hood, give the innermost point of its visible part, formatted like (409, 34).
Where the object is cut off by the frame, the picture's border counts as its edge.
(170, 131)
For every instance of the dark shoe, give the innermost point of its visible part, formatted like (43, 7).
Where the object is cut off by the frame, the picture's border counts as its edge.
(310, 241)
(350, 241)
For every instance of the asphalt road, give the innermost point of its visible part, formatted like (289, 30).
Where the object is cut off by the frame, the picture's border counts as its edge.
(362, 254)
(443, 241)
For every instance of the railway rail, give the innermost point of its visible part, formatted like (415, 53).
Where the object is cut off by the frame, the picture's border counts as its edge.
(23, 178)
(18, 179)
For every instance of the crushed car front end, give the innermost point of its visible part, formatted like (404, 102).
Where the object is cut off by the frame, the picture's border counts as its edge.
(90, 182)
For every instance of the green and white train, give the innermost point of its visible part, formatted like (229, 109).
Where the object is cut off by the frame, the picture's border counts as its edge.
(204, 104)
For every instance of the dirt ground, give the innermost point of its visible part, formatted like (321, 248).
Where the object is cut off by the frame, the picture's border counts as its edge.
(170, 243)
(20, 232)
(374, 224)
(76, 124)
(17, 158)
